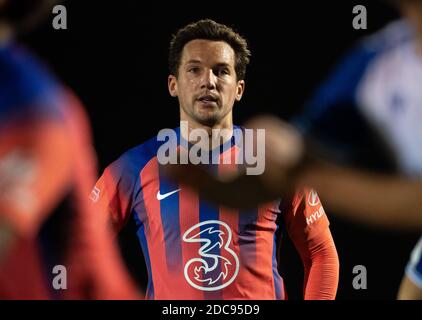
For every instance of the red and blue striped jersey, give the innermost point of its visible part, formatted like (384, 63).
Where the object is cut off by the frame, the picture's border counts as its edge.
(195, 249)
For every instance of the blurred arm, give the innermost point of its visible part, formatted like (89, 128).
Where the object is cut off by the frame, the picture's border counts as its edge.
(386, 200)
(376, 199)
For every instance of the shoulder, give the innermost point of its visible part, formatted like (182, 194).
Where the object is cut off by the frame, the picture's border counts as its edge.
(131, 163)
(30, 87)
(341, 86)
(388, 38)
(368, 50)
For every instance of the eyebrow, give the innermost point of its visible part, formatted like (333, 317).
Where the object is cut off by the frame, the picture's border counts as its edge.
(221, 64)
(193, 61)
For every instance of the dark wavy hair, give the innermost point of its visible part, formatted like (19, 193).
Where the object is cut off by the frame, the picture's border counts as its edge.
(209, 30)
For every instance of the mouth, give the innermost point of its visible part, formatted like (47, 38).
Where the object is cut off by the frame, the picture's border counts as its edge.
(208, 99)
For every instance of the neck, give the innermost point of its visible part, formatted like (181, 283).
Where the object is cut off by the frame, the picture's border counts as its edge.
(218, 133)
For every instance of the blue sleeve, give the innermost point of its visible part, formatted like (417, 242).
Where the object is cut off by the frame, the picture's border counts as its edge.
(414, 267)
(27, 88)
(332, 117)
(337, 92)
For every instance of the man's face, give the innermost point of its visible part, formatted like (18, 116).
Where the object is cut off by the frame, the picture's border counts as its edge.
(206, 84)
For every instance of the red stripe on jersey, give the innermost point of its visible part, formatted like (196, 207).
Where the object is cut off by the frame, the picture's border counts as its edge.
(231, 218)
(189, 216)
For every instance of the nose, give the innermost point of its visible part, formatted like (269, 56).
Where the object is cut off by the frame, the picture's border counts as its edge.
(209, 80)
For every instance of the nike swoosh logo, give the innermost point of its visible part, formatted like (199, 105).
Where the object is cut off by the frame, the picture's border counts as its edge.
(163, 196)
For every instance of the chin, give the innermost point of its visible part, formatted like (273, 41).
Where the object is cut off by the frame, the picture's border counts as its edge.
(207, 118)
(209, 122)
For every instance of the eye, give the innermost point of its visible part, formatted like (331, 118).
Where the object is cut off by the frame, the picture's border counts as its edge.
(193, 70)
(223, 71)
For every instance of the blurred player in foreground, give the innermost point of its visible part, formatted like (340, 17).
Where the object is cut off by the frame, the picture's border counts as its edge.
(194, 249)
(376, 88)
(47, 167)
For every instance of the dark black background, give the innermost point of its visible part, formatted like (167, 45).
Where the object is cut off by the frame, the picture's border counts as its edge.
(114, 56)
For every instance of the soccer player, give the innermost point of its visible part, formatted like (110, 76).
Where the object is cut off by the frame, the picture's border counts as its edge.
(375, 89)
(47, 168)
(192, 248)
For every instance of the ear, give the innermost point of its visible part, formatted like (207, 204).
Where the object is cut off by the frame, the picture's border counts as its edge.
(240, 89)
(172, 85)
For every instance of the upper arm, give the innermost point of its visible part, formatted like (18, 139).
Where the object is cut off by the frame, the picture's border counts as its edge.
(305, 217)
(113, 194)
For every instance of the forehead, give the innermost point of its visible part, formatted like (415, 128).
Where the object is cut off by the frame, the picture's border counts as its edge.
(208, 51)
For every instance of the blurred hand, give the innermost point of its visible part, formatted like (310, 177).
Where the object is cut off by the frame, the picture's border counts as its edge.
(284, 152)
